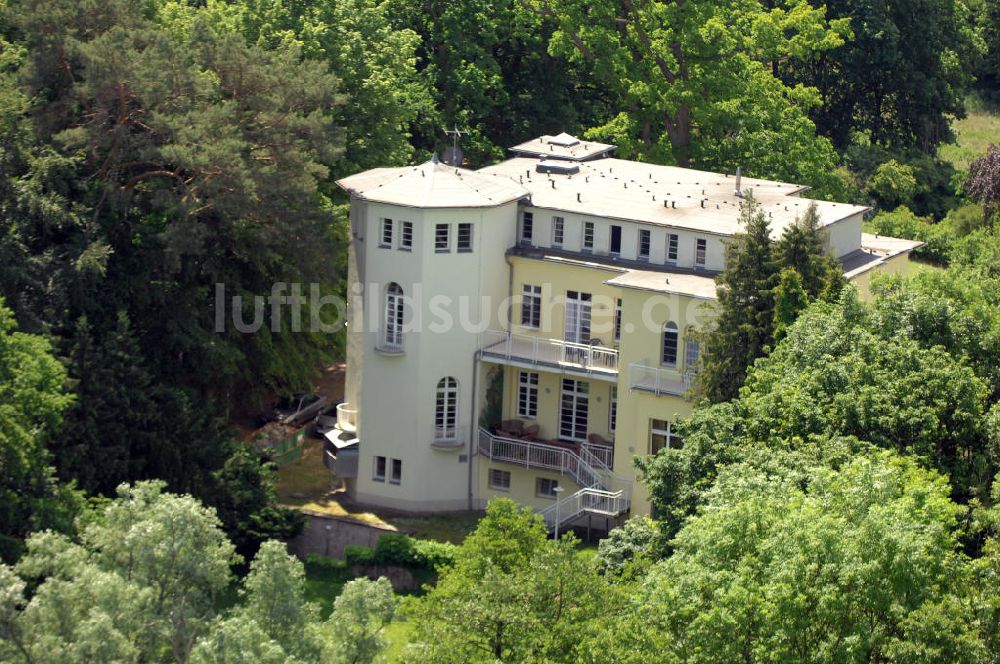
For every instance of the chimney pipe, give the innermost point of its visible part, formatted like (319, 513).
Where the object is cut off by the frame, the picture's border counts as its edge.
(739, 180)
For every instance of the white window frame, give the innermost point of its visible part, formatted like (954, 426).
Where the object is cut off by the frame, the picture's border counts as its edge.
(527, 227)
(692, 353)
(377, 474)
(527, 394)
(446, 410)
(500, 479)
(574, 409)
(618, 320)
(670, 331)
(395, 471)
(442, 231)
(531, 306)
(588, 237)
(552, 485)
(385, 234)
(700, 252)
(558, 232)
(465, 245)
(673, 247)
(645, 242)
(392, 327)
(662, 428)
(613, 409)
(406, 236)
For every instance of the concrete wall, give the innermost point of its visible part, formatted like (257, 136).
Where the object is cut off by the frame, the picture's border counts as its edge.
(896, 265)
(522, 484)
(326, 535)
(844, 236)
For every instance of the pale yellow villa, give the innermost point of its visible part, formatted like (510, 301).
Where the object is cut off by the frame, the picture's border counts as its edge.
(524, 330)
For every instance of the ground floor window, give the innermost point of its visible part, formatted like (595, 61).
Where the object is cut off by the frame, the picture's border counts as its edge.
(396, 475)
(546, 488)
(661, 435)
(378, 471)
(499, 479)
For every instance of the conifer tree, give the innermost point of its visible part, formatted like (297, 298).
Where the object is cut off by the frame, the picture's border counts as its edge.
(742, 331)
(802, 247)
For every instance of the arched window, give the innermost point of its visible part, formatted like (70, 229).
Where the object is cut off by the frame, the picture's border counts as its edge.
(392, 333)
(446, 410)
(669, 354)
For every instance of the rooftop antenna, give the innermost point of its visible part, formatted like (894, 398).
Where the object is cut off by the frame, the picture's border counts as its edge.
(453, 156)
(739, 180)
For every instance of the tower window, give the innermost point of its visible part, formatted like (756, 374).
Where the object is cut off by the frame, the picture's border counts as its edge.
(465, 238)
(386, 238)
(442, 238)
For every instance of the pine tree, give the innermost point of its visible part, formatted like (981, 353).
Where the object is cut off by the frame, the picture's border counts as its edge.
(743, 329)
(802, 247)
(790, 298)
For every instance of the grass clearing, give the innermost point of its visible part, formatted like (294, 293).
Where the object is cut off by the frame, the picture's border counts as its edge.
(306, 484)
(974, 133)
(441, 528)
(324, 581)
(398, 634)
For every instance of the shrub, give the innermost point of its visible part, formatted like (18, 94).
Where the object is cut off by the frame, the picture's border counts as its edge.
(395, 549)
(432, 555)
(358, 555)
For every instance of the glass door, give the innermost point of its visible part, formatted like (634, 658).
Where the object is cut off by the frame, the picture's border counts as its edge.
(574, 408)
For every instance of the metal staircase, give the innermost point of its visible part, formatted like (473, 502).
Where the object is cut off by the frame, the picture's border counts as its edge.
(603, 492)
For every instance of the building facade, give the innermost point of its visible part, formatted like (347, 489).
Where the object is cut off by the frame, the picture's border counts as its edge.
(526, 330)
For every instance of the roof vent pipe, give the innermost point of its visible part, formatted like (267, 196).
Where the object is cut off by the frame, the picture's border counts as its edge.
(577, 197)
(553, 183)
(739, 180)
(703, 202)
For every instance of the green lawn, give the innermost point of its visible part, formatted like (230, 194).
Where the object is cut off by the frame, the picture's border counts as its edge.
(975, 133)
(324, 581)
(398, 634)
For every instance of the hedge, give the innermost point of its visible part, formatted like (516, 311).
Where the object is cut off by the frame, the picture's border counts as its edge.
(402, 551)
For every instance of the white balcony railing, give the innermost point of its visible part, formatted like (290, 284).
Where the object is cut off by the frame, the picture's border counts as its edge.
(347, 417)
(541, 456)
(594, 501)
(604, 455)
(553, 352)
(658, 380)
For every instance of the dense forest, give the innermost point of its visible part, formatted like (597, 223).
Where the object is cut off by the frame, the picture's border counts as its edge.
(835, 498)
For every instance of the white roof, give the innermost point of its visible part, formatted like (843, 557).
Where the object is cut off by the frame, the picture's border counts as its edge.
(637, 191)
(432, 185)
(562, 146)
(675, 283)
(660, 281)
(875, 250)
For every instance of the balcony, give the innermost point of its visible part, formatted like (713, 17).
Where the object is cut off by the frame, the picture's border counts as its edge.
(592, 359)
(347, 418)
(585, 469)
(659, 381)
